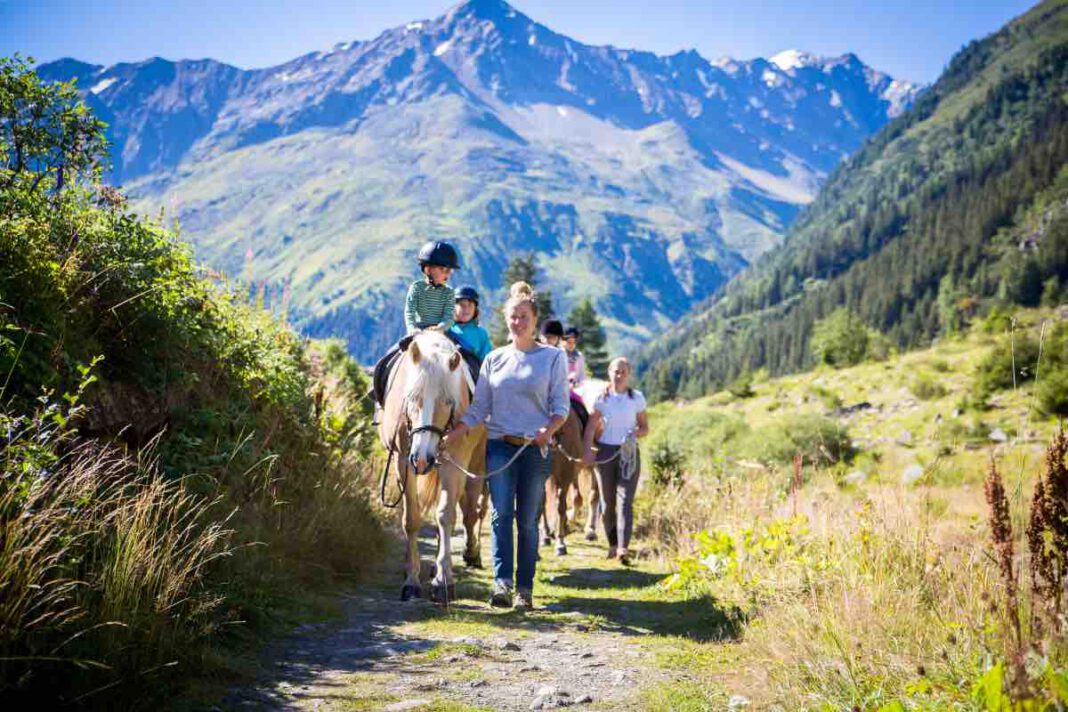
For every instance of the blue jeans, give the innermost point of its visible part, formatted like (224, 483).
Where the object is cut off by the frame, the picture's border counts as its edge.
(517, 493)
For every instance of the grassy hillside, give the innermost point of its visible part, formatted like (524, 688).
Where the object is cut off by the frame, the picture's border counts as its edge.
(868, 579)
(957, 205)
(179, 471)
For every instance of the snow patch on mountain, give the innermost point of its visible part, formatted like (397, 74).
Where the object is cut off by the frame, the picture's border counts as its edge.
(102, 85)
(796, 187)
(792, 59)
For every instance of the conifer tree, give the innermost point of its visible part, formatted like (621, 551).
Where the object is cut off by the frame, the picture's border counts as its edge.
(521, 268)
(592, 343)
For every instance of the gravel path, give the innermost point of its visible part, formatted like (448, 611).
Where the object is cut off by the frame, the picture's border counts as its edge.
(585, 645)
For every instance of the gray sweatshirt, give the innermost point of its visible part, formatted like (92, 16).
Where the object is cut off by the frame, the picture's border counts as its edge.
(519, 391)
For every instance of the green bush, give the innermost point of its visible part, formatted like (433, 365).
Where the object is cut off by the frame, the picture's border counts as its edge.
(1053, 392)
(741, 387)
(926, 388)
(839, 340)
(821, 441)
(995, 372)
(667, 460)
(1017, 354)
(216, 418)
(825, 396)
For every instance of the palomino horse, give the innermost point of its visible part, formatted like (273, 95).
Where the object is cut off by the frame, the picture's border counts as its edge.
(428, 390)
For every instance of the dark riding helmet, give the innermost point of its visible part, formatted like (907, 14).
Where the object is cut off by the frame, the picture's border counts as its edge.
(440, 253)
(572, 331)
(552, 327)
(467, 292)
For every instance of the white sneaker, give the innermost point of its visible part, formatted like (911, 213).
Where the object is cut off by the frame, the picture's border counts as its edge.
(524, 600)
(501, 596)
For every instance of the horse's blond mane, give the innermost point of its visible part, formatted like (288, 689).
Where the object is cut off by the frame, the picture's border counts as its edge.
(432, 370)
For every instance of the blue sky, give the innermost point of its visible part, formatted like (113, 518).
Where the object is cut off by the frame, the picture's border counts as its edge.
(896, 37)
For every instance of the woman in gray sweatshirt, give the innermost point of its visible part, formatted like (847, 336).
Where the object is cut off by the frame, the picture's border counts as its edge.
(522, 398)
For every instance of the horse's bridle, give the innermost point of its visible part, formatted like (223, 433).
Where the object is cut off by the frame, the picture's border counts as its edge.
(440, 432)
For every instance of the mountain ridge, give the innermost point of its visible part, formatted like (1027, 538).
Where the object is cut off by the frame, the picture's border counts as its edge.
(957, 205)
(514, 139)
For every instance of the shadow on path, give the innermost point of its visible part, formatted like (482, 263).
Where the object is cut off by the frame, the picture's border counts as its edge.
(592, 579)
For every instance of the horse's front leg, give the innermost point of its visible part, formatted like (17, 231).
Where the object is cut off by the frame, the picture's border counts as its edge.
(412, 521)
(444, 586)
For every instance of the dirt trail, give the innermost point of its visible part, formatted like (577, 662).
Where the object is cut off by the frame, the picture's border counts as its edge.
(595, 641)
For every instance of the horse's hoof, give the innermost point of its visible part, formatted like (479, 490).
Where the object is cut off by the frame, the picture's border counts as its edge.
(408, 592)
(546, 540)
(442, 594)
(591, 535)
(561, 549)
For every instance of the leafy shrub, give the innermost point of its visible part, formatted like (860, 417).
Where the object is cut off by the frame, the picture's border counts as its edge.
(1017, 354)
(995, 372)
(704, 434)
(820, 440)
(1053, 392)
(926, 388)
(827, 397)
(667, 460)
(741, 387)
(839, 340)
(227, 433)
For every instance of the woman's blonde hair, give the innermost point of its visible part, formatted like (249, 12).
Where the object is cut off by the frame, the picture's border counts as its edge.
(620, 361)
(519, 294)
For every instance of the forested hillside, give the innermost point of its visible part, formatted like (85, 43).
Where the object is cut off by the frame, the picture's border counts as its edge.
(955, 207)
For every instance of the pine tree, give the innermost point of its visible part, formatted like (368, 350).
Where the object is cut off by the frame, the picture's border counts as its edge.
(592, 342)
(521, 268)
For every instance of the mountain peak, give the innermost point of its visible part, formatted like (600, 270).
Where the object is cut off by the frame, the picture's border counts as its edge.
(484, 9)
(793, 58)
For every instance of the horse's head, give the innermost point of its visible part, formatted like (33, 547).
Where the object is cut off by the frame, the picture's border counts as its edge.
(433, 389)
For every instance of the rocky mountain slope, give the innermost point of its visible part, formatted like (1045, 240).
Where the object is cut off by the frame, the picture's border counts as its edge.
(616, 167)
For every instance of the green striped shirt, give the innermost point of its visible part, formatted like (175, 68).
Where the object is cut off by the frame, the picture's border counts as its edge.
(428, 305)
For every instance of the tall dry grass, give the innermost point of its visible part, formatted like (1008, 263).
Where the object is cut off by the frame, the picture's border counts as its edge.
(102, 565)
(851, 599)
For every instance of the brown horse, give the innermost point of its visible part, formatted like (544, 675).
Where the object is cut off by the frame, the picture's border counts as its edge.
(567, 472)
(427, 392)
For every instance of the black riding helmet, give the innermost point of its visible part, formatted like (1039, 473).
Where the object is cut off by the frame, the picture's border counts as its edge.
(467, 292)
(572, 331)
(471, 294)
(440, 253)
(552, 327)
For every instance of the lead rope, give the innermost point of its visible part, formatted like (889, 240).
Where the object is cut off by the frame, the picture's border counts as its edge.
(628, 458)
(475, 476)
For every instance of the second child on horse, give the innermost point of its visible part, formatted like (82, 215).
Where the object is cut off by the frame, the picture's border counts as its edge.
(467, 332)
